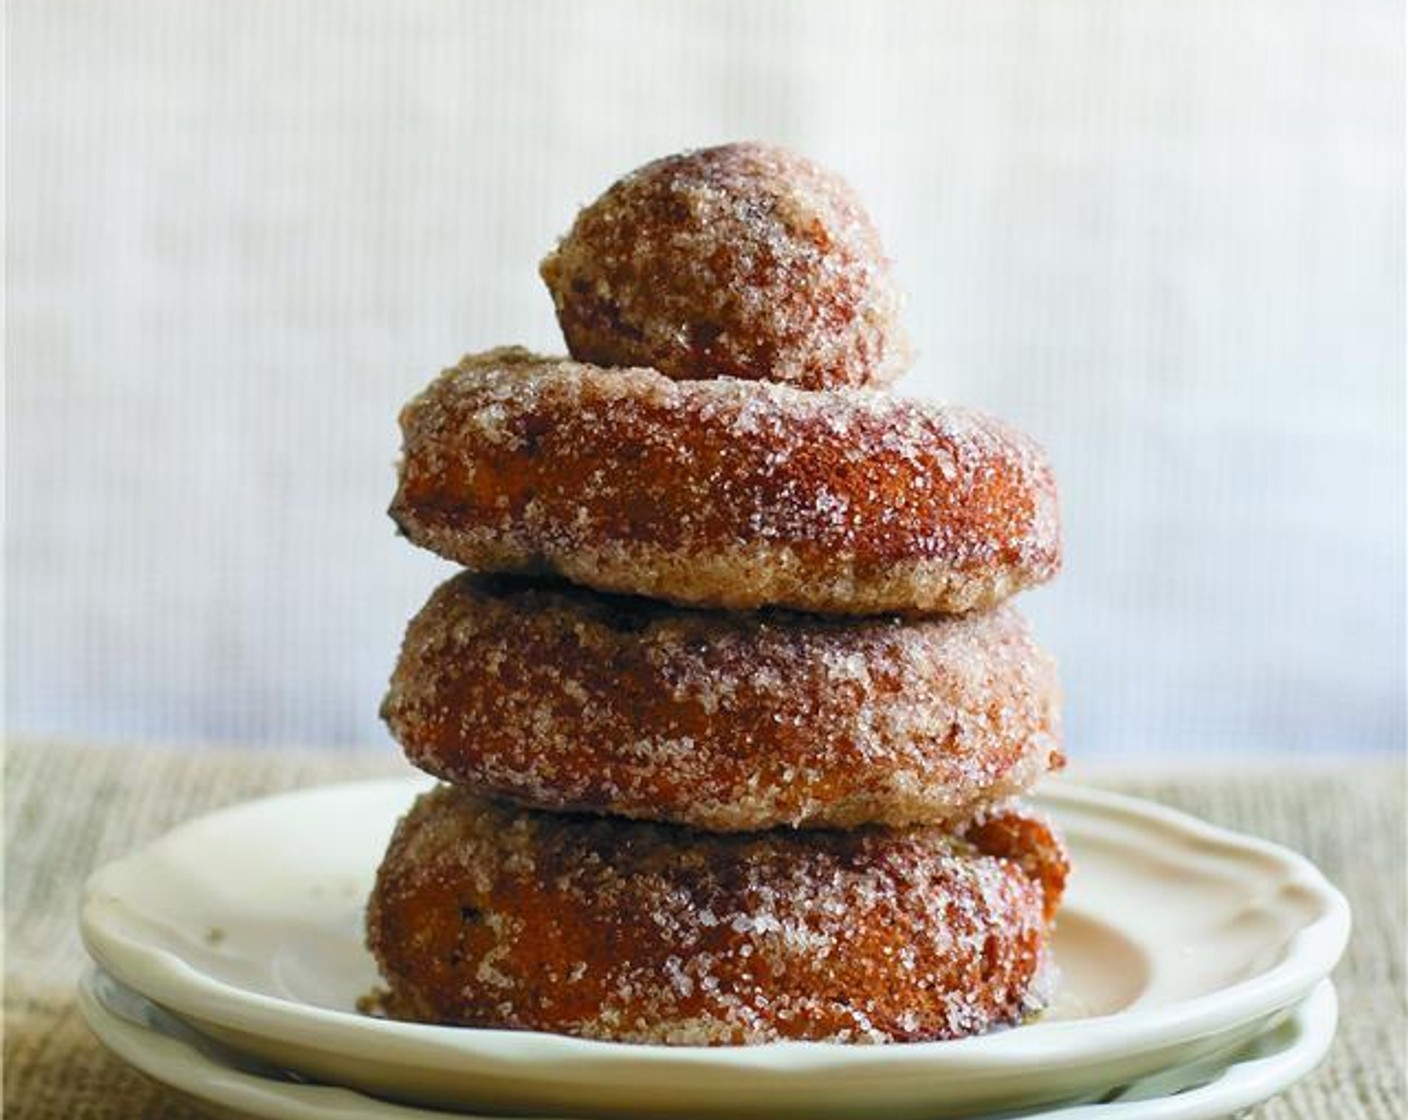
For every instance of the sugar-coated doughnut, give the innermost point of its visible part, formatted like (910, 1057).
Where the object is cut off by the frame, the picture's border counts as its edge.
(485, 915)
(743, 260)
(727, 493)
(565, 699)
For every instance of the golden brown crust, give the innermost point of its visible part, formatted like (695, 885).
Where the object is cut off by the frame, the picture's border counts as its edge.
(1009, 831)
(743, 260)
(564, 699)
(487, 916)
(729, 494)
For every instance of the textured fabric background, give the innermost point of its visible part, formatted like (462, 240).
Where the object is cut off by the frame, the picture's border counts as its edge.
(69, 809)
(1165, 237)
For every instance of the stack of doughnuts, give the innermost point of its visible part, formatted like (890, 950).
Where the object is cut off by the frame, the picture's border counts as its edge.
(729, 707)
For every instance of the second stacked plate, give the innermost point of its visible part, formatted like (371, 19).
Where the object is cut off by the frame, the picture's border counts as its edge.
(224, 1082)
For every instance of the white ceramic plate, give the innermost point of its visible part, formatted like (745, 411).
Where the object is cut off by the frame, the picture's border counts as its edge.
(1177, 941)
(164, 1048)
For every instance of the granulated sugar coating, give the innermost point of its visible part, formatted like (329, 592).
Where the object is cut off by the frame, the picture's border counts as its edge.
(738, 261)
(730, 698)
(565, 699)
(488, 916)
(726, 493)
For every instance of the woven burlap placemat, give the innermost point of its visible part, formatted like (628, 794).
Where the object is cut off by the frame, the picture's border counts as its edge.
(70, 808)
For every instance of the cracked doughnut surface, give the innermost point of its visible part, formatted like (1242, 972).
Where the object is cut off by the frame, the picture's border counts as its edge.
(744, 260)
(564, 699)
(727, 494)
(484, 915)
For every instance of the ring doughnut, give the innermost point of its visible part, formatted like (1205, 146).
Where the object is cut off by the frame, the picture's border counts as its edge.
(728, 494)
(744, 260)
(483, 915)
(563, 699)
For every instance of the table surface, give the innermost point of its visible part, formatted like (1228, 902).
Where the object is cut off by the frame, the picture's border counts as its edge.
(69, 808)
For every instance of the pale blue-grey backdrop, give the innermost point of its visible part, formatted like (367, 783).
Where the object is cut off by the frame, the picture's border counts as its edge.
(1165, 237)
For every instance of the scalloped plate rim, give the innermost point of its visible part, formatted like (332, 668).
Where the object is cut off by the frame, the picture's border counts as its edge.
(169, 980)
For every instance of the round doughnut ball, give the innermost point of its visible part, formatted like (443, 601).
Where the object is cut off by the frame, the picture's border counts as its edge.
(487, 916)
(728, 494)
(744, 260)
(564, 699)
